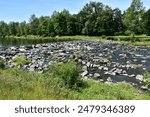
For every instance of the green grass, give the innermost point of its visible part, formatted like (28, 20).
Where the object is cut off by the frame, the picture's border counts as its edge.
(19, 84)
(21, 60)
(139, 40)
(2, 66)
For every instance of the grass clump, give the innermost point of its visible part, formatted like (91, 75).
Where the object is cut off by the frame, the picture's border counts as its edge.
(68, 72)
(146, 81)
(22, 60)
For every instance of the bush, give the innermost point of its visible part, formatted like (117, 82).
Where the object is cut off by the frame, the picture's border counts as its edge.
(112, 38)
(69, 73)
(2, 65)
(146, 81)
(128, 33)
(132, 39)
(103, 36)
(22, 60)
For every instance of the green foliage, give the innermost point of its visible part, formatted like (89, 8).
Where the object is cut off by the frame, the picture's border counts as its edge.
(2, 65)
(146, 22)
(133, 16)
(33, 25)
(112, 38)
(3, 29)
(68, 72)
(109, 58)
(22, 85)
(146, 79)
(21, 60)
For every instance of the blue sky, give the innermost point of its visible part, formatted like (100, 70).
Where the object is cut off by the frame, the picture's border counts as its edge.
(20, 10)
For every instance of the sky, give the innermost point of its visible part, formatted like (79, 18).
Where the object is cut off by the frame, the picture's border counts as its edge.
(21, 10)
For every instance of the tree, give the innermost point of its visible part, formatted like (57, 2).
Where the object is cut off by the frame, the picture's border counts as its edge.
(34, 25)
(23, 28)
(44, 26)
(104, 22)
(14, 28)
(146, 22)
(118, 26)
(88, 17)
(59, 20)
(3, 29)
(133, 16)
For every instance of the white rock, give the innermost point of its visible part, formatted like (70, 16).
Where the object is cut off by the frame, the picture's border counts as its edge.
(140, 77)
(97, 75)
(84, 73)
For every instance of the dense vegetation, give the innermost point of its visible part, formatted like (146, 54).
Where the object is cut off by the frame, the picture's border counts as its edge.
(95, 18)
(19, 84)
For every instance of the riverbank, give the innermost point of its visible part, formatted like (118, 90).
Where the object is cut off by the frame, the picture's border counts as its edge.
(22, 85)
(138, 40)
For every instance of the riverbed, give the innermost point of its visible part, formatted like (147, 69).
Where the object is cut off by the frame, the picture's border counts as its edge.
(108, 61)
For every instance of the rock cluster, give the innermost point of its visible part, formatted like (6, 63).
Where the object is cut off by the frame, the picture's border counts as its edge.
(106, 61)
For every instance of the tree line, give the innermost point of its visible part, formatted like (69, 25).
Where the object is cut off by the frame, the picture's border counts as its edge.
(94, 19)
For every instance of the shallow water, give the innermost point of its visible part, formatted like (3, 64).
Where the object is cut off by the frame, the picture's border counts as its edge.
(17, 42)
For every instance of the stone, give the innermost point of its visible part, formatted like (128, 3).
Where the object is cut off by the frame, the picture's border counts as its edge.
(97, 75)
(88, 64)
(128, 62)
(84, 73)
(112, 73)
(79, 61)
(105, 68)
(31, 69)
(144, 68)
(13, 48)
(140, 77)
(125, 74)
(143, 61)
(94, 65)
(100, 68)
(83, 62)
(118, 71)
(22, 50)
(84, 68)
(109, 79)
(144, 87)
(133, 75)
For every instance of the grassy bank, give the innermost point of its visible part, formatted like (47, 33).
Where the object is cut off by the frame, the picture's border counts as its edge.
(138, 40)
(61, 82)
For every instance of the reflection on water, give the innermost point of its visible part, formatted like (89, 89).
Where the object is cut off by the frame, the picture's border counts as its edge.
(15, 42)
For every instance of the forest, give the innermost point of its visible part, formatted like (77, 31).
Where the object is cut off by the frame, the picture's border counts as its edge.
(94, 19)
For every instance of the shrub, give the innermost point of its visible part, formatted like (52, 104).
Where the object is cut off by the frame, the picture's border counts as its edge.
(128, 33)
(69, 73)
(22, 60)
(146, 81)
(103, 36)
(2, 65)
(112, 38)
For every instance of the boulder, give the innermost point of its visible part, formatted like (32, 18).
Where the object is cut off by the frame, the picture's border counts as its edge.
(140, 77)
(144, 87)
(84, 68)
(84, 73)
(97, 75)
